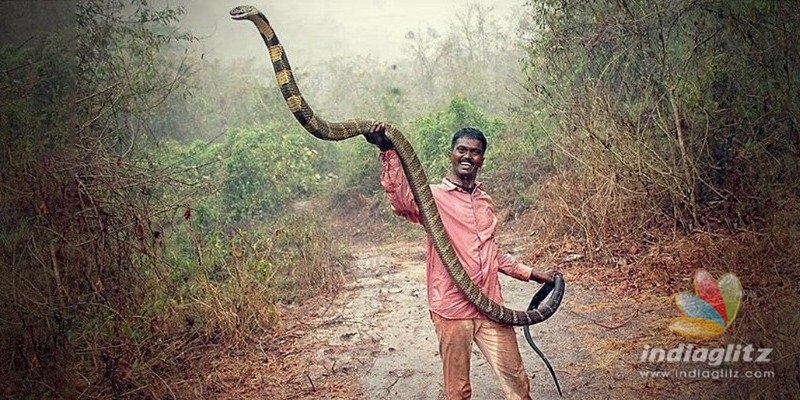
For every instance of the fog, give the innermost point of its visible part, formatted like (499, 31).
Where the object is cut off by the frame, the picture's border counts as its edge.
(316, 30)
(416, 75)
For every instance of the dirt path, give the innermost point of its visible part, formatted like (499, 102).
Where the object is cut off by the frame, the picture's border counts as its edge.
(378, 333)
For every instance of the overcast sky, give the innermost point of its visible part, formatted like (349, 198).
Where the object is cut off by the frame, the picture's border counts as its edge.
(309, 29)
(321, 29)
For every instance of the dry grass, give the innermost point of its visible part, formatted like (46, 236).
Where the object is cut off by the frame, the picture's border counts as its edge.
(640, 264)
(278, 365)
(145, 331)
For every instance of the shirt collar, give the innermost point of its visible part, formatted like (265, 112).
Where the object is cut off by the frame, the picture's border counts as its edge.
(452, 186)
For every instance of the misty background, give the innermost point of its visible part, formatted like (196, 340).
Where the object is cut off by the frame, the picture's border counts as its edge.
(312, 30)
(315, 30)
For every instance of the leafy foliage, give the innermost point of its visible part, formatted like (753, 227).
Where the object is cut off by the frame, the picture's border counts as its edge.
(264, 171)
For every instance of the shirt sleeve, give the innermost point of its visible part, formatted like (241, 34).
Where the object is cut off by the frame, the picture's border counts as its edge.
(511, 267)
(394, 182)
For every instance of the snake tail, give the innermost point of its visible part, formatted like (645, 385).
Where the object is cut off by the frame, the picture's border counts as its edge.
(526, 330)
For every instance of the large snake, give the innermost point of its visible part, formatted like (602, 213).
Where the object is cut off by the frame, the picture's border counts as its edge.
(416, 177)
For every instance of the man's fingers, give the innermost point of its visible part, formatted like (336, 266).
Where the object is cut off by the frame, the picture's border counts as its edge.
(378, 127)
(377, 136)
(545, 277)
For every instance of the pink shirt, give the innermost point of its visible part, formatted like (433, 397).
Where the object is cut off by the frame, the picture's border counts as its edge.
(470, 222)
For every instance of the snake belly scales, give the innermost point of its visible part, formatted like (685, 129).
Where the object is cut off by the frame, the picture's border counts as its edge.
(415, 174)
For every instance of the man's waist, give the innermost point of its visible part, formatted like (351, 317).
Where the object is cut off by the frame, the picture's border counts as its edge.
(454, 305)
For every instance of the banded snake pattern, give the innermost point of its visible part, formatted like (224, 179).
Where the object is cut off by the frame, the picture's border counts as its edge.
(415, 174)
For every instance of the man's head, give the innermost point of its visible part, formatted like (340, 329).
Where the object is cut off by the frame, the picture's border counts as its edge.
(466, 154)
(470, 133)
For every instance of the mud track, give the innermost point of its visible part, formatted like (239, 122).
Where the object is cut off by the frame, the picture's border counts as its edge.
(378, 333)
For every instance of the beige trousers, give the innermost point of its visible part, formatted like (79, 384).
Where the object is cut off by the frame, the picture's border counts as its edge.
(497, 342)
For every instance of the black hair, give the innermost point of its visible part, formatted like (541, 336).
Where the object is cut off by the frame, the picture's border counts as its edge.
(471, 133)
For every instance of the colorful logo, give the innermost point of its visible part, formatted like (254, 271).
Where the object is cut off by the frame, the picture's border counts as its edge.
(711, 310)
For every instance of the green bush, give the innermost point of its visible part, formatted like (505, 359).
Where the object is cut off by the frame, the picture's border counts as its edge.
(432, 134)
(265, 169)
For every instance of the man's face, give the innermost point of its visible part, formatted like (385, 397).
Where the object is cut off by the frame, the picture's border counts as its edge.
(466, 157)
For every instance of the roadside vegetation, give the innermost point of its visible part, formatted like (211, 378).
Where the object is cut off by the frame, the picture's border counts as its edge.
(158, 205)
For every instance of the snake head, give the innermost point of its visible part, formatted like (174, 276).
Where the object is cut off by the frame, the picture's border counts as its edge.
(244, 12)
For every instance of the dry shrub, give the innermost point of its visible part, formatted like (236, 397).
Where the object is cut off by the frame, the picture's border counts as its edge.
(767, 264)
(110, 289)
(644, 269)
(356, 218)
(594, 211)
(675, 154)
(280, 365)
(649, 263)
(772, 322)
(234, 295)
(313, 257)
(97, 302)
(514, 167)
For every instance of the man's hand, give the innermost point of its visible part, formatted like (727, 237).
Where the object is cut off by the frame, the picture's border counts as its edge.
(377, 136)
(543, 277)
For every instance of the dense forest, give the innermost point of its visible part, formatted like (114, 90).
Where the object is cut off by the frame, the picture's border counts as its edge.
(151, 197)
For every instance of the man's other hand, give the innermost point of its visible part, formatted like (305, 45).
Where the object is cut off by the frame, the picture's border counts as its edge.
(543, 277)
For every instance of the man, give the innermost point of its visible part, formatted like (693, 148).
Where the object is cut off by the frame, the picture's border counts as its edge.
(469, 218)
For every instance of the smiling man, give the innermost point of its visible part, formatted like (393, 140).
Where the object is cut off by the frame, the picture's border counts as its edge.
(469, 217)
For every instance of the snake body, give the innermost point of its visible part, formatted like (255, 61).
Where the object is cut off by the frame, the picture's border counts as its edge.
(414, 172)
(536, 300)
